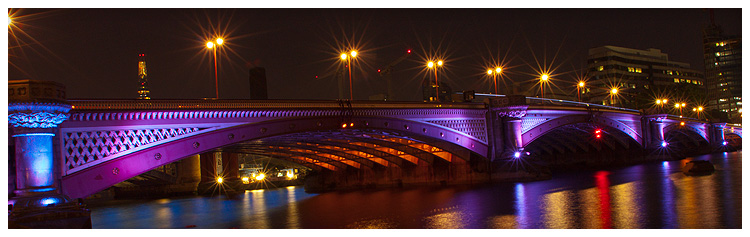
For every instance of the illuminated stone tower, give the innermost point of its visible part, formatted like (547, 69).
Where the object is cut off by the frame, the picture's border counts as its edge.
(142, 78)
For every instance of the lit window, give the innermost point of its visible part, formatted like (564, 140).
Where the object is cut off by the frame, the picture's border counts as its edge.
(638, 70)
(739, 103)
(630, 69)
(722, 100)
(601, 68)
(676, 80)
(682, 80)
(669, 72)
(718, 54)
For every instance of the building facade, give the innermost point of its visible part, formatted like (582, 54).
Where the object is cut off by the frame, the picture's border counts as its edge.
(633, 72)
(723, 61)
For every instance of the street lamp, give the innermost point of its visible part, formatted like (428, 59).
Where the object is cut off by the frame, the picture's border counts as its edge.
(680, 106)
(494, 73)
(214, 46)
(544, 78)
(581, 84)
(698, 110)
(348, 59)
(435, 66)
(661, 103)
(612, 94)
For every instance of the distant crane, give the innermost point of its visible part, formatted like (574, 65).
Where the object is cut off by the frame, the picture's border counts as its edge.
(386, 74)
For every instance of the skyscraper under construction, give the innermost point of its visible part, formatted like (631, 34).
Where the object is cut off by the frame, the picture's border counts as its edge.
(143, 92)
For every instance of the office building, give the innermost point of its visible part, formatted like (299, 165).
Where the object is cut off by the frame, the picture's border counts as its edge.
(634, 72)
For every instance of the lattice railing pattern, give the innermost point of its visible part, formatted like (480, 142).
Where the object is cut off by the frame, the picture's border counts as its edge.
(473, 127)
(530, 122)
(88, 147)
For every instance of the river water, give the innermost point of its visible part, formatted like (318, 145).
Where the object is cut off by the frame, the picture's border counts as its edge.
(652, 195)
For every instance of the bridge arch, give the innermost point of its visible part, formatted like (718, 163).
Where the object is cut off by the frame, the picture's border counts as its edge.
(132, 163)
(546, 127)
(687, 139)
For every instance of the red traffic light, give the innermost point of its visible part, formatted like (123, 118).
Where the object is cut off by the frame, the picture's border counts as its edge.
(378, 70)
(408, 51)
(598, 133)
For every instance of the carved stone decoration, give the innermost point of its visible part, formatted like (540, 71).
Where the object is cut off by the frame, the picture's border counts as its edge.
(36, 120)
(512, 111)
(37, 115)
(657, 117)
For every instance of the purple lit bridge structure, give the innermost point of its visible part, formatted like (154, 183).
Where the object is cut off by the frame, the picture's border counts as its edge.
(80, 147)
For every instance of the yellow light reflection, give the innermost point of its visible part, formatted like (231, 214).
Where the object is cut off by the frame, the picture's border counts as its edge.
(292, 212)
(448, 220)
(502, 222)
(557, 212)
(626, 211)
(591, 207)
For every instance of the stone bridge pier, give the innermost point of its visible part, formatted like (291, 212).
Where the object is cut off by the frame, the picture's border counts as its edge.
(35, 109)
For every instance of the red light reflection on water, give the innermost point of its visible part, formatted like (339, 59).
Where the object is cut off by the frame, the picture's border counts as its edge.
(602, 183)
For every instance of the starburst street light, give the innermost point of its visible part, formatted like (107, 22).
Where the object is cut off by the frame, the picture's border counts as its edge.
(348, 59)
(494, 74)
(543, 79)
(214, 46)
(580, 86)
(434, 66)
(612, 95)
(680, 106)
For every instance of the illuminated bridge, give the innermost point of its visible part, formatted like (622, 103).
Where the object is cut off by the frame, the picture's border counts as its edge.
(84, 146)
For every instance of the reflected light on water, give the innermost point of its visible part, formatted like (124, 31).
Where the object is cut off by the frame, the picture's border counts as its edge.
(502, 222)
(602, 184)
(259, 218)
(292, 212)
(708, 207)
(627, 210)
(667, 201)
(448, 220)
(557, 214)
(686, 203)
(521, 209)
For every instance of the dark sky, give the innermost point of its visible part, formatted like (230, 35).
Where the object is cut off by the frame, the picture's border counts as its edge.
(94, 51)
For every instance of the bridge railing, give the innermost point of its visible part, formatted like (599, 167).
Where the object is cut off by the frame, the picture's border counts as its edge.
(258, 104)
(546, 101)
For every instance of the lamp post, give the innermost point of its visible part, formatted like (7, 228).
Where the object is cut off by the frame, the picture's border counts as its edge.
(580, 86)
(348, 59)
(435, 66)
(680, 106)
(543, 78)
(612, 94)
(661, 103)
(494, 73)
(698, 111)
(214, 46)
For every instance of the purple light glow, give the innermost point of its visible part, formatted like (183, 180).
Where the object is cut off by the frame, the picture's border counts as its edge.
(517, 154)
(724, 143)
(664, 144)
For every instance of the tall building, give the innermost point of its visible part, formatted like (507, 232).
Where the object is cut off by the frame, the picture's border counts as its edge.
(143, 92)
(722, 57)
(633, 72)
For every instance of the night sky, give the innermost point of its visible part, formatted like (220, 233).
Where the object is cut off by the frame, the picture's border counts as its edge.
(94, 52)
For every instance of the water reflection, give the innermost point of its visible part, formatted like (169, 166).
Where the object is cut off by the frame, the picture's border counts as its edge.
(655, 195)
